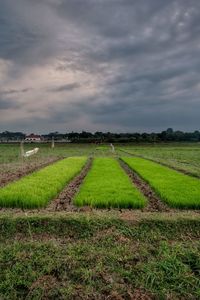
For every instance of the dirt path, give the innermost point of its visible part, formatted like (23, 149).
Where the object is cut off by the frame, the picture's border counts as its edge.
(154, 202)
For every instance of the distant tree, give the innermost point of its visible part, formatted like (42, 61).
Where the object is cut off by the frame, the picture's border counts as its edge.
(169, 130)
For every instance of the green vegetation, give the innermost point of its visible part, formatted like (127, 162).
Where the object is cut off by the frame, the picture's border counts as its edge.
(96, 254)
(78, 257)
(103, 147)
(176, 189)
(185, 157)
(107, 185)
(38, 188)
(10, 153)
(177, 155)
(11, 162)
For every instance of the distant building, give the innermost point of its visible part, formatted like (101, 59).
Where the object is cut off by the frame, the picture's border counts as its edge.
(33, 138)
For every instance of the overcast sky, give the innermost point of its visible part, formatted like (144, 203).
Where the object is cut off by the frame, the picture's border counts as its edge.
(108, 65)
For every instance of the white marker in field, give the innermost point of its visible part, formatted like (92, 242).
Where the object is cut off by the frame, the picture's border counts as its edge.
(31, 152)
(22, 149)
(112, 148)
(52, 143)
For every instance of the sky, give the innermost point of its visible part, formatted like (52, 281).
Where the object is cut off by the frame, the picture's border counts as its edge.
(99, 65)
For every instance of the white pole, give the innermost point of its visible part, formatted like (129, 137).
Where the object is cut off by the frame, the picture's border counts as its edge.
(52, 143)
(22, 151)
(112, 148)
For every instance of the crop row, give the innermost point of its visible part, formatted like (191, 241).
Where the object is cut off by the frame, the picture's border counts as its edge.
(107, 185)
(37, 189)
(176, 189)
(186, 159)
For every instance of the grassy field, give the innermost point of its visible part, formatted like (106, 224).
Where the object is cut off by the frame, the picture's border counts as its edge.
(37, 189)
(100, 254)
(107, 185)
(176, 189)
(99, 258)
(10, 153)
(10, 158)
(13, 167)
(185, 157)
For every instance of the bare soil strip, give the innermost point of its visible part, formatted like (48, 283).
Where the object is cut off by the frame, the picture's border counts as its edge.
(64, 201)
(162, 164)
(24, 170)
(154, 202)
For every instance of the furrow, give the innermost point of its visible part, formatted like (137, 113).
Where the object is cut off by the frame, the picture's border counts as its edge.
(64, 201)
(154, 202)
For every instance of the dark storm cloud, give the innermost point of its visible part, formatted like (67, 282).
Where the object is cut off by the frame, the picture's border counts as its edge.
(66, 87)
(135, 64)
(14, 91)
(16, 36)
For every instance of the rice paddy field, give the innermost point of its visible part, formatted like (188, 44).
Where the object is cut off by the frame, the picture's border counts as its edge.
(176, 189)
(37, 189)
(184, 157)
(87, 222)
(107, 185)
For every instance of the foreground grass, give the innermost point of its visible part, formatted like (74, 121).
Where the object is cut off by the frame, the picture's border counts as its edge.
(176, 189)
(80, 257)
(37, 189)
(107, 185)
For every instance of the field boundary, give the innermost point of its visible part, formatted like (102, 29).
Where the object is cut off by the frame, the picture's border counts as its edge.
(86, 225)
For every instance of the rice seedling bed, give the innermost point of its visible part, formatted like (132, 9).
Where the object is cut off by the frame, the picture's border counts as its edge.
(107, 185)
(184, 158)
(37, 189)
(176, 189)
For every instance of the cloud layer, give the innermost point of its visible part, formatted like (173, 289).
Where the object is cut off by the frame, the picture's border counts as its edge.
(117, 65)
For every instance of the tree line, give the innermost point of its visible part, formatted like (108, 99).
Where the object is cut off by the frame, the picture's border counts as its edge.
(168, 135)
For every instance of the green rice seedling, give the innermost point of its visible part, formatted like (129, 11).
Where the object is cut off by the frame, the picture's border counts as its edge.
(176, 189)
(107, 185)
(37, 189)
(182, 157)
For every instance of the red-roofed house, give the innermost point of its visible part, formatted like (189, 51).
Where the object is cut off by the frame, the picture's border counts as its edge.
(33, 138)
